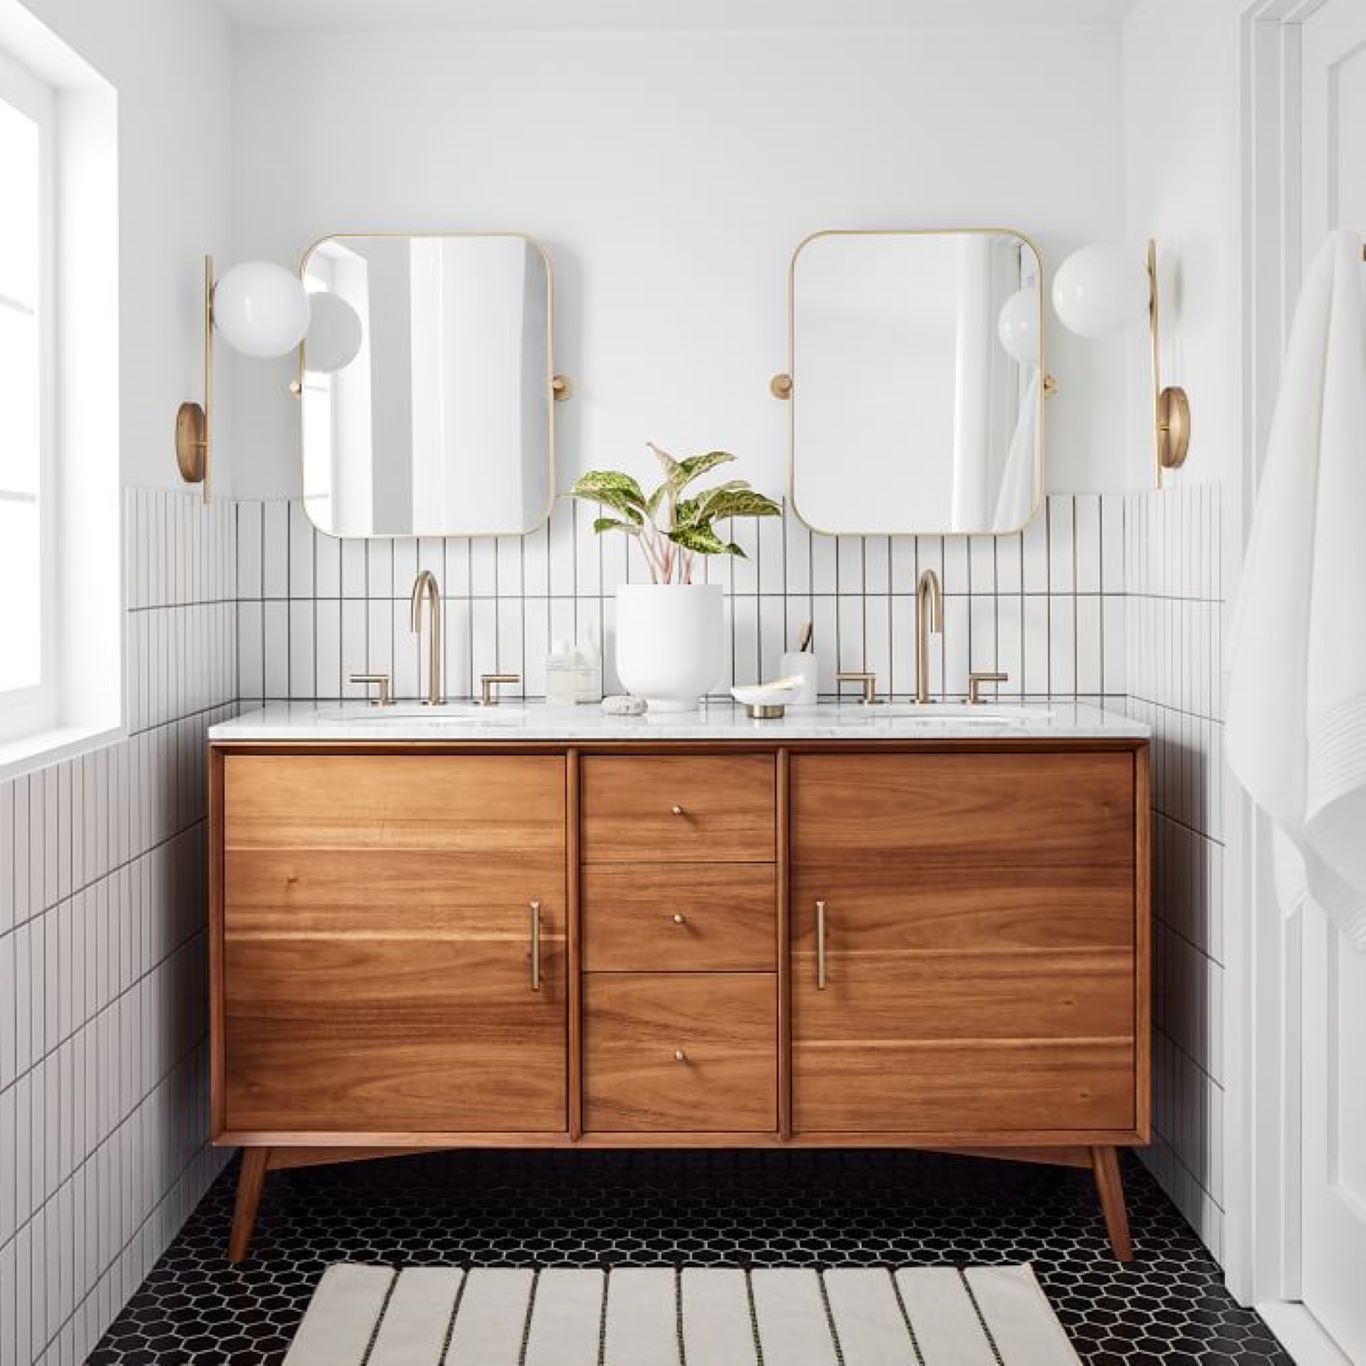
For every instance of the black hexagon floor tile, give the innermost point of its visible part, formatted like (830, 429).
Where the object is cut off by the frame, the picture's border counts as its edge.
(1169, 1308)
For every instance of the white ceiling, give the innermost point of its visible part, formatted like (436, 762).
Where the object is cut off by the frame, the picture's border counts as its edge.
(525, 15)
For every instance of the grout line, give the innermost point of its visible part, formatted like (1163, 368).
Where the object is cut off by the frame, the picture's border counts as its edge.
(118, 1253)
(49, 1053)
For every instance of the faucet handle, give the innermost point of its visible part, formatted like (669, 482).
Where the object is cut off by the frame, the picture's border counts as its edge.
(865, 677)
(975, 681)
(487, 697)
(384, 697)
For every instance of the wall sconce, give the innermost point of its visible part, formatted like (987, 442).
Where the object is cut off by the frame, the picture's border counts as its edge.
(262, 310)
(1101, 289)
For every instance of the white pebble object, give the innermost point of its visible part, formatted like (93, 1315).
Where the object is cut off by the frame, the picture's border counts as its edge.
(623, 705)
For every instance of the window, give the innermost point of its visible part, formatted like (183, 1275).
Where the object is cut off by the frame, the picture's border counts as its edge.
(27, 644)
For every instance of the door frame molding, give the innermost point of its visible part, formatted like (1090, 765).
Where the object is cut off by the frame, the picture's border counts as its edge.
(1263, 1006)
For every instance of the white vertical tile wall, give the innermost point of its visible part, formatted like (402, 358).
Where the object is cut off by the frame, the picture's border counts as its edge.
(1046, 606)
(1175, 606)
(103, 1058)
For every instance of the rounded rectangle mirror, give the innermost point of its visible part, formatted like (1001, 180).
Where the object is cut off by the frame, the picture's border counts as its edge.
(916, 381)
(426, 382)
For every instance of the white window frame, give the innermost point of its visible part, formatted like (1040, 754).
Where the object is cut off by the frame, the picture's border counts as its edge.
(26, 711)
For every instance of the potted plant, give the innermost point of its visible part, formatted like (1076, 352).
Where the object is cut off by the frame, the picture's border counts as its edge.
(670, 632)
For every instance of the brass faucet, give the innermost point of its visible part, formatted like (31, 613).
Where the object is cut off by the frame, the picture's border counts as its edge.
(927, 596)
(425, 586)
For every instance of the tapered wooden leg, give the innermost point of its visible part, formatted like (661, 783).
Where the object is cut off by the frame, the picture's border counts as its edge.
(1110, 1188)
(250, 1180)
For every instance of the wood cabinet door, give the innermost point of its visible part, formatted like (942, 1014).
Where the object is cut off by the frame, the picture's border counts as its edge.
(377, 951)
(980, 929)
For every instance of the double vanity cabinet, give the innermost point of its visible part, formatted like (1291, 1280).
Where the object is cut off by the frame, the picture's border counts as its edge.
(743, 937)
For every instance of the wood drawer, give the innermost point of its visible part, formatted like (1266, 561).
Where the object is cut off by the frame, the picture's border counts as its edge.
(724, 1024)
(492, 806)
(963, 1091)
(728, 917)
(686, 808)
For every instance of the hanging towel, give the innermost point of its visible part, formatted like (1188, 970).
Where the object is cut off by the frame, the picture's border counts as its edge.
(1297, 695)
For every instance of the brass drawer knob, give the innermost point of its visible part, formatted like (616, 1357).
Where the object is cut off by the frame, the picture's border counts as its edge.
(680, 1055)
(680, 918)
(677, 810)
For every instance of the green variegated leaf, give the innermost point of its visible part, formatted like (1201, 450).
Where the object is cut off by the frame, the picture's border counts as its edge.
(611, 487)
(613, 524)
(701, 539)
(702, 501)
(732, 502)
(694, 465)
(655, 499)
(620, 504)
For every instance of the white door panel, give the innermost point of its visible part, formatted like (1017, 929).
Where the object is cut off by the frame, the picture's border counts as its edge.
(1333, 1170)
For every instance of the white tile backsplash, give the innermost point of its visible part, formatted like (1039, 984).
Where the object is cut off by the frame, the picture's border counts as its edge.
(502, 597)
(1173, 603)
(103, 1055)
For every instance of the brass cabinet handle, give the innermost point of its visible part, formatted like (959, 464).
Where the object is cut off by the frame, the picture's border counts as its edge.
(820, 946)
(535, 946)
(677, 810)
(680, 1055)
(680, 918)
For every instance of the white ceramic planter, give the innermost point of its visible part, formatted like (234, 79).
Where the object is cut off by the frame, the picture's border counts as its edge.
(670, 640)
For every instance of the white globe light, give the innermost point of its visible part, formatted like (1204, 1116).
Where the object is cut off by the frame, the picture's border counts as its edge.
(334, 333)
(261, 309)
(1018, 325)
(1100, 289)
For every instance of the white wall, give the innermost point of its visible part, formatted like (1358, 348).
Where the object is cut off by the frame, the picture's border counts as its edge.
(1181, 109)
(169, 61)
(1181, 156)
(670, 176)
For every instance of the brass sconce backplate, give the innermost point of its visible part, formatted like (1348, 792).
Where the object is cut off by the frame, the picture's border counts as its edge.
(191, 431)
(1173, 427)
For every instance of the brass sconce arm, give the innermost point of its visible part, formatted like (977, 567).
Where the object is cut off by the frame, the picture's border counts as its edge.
(1171, 407)
(193, 439)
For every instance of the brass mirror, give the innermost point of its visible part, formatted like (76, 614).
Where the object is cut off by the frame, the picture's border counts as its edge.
(916, 381)
(428, 389)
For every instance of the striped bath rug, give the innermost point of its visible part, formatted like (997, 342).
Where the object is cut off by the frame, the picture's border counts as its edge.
(659, 1316)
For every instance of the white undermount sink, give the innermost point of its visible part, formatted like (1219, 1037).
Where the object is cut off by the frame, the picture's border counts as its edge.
(945, 714)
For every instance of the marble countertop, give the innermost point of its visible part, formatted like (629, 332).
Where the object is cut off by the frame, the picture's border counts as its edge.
(535, 721)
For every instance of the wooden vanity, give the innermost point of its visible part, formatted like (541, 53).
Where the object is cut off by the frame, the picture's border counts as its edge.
(927, 943)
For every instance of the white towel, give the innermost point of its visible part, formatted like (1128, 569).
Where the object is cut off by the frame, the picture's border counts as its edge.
(1297, 699)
